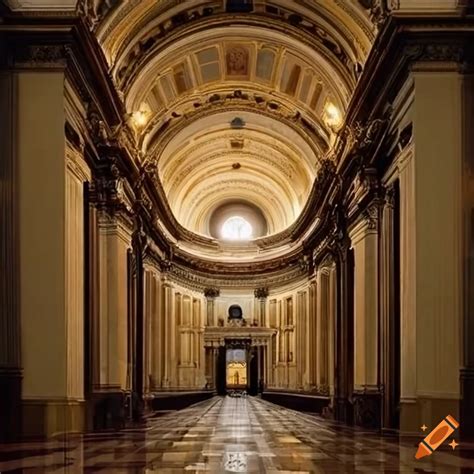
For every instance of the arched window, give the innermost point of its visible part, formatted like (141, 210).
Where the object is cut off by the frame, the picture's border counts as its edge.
(236, 228)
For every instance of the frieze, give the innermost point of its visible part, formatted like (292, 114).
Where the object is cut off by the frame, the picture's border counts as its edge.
(41, 55)
(199, 282)
(442, 52)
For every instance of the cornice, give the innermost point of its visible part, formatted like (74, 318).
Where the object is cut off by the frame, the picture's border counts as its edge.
(199, 280)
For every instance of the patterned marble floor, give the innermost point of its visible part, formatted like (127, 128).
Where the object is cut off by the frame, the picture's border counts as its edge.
(232, 435)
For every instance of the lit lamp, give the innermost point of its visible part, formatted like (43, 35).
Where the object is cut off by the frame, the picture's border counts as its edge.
(332, 116)
(140, 118)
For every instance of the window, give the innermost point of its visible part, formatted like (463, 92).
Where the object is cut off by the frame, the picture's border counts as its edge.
(265, 60)
(208, 60)
(236, 228)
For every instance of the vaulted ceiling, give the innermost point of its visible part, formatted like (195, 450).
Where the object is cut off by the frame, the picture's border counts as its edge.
(235, 101)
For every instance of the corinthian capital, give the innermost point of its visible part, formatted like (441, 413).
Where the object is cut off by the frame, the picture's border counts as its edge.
(211, 293)
(261, 293)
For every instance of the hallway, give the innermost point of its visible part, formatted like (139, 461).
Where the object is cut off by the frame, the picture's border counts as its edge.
(230, 435)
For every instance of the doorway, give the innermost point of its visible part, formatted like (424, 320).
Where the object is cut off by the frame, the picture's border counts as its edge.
(236, 369)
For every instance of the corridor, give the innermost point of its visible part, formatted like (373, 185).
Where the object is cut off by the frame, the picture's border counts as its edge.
(231, 435)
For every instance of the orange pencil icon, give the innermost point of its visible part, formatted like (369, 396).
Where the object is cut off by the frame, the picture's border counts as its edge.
(436, 437)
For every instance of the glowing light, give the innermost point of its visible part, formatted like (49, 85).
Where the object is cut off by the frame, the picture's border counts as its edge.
(140, 118)
(236, 228)
(332, 115)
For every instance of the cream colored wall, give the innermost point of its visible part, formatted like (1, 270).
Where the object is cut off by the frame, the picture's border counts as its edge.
(303, 348)
(77, 172)
(431, 250)
(437, 210)
(364, 240)
(42, 208)
(174, 347)
(112, 332)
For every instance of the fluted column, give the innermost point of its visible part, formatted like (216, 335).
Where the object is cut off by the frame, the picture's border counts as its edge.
(301, 350)
(156, 341)
(467, 370)
(389, 320)
(321, 329)
(312, 336)
(261, 295)
(167, 295)
(331, 328)
(211, 294)
(10, 344)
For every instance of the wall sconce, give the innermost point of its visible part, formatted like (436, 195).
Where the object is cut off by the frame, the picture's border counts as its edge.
(140, 118)
(332, 116)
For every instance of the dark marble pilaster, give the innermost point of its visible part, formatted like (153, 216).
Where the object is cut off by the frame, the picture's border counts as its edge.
(10, 404)
(343, 408)
(367, 408)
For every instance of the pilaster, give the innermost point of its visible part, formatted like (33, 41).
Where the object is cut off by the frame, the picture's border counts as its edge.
(431, 187)
(10, 327)
(366, 395)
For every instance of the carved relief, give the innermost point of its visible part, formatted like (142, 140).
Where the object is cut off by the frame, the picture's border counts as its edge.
(211, 293)
(371, 216)
(41, 55)
(96, 10)
(261, 293)
(237, 59)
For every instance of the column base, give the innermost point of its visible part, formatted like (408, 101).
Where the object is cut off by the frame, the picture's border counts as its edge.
(467, 403)
(367, 408)
(343, 410)
(108, 409)
(46, 418)
(425, 411)
(10, 404)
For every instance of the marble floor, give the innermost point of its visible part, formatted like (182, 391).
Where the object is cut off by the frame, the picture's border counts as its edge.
(233, 435)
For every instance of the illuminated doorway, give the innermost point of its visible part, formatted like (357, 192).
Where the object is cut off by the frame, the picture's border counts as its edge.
(236, 369)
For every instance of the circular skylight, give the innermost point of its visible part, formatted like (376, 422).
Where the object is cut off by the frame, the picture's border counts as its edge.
(236, 228)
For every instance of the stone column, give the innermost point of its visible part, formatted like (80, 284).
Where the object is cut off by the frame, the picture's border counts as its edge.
(301, 348)
(322, 331)
(211, 294)
(432, 250)
(364, 237)
(389, 317)
(114, 242)
(10, 343)
(311, 336)
(467, 370)
(156, 342)
(261, 295)
(167, 295)
(344, 352)
(42, 230)
(331, 329)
